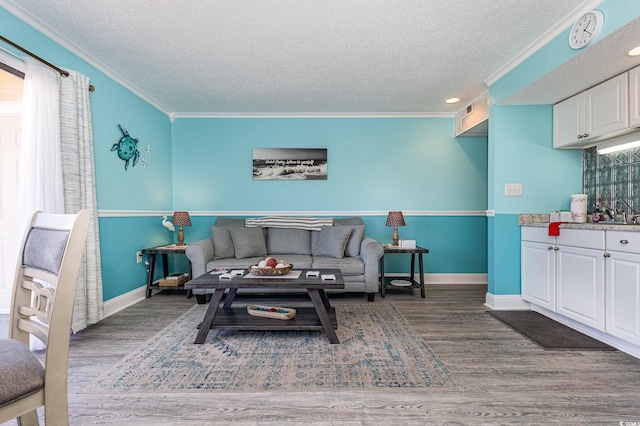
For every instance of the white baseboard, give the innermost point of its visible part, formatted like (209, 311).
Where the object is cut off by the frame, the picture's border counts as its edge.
(447, 278)
(506, 302)
(123, 301)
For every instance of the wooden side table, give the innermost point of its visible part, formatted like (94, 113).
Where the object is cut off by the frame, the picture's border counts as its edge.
(164, 251)
(386, 282)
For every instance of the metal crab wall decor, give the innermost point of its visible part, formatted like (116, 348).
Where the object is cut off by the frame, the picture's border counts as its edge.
(127, 148)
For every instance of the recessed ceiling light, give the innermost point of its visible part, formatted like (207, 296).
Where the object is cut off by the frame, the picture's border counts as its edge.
(452, 100)
(634, 52)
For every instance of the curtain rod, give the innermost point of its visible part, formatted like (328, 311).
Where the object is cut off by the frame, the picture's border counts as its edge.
(34, 56)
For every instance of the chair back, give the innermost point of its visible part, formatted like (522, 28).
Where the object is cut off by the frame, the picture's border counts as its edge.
(45, 286)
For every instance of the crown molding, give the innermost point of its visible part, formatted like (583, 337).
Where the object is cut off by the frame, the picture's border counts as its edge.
(40, 26)
(543, 40)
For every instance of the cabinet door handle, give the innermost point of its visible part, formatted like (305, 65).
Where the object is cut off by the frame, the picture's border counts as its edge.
(549, 247)
(556, 248)
(624, 241)
(607, 255)
(579, 136)
(585, 135)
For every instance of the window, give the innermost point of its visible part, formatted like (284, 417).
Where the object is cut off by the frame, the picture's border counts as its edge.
(11, 82)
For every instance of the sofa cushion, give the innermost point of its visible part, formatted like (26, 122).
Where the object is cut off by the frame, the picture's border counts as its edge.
(347, 265)
(248, 242)
(355, 239)
(288, 241)
(222, 242)
(331, 241)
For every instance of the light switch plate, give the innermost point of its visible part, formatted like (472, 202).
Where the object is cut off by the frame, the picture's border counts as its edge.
(513, 189)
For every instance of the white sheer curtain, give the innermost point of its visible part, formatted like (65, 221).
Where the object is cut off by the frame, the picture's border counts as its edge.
(40, 174)
(57, 168)
(40, 170)
(80, 191)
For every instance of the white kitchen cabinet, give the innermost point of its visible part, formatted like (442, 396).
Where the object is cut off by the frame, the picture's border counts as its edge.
(568, 121)
(599, 111)
(538, 274)
(580, 285)
(538, 265)
(634, 97)
(623, 286)
(565, 274)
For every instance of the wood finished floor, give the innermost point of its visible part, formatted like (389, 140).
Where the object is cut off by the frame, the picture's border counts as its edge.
(503, 378)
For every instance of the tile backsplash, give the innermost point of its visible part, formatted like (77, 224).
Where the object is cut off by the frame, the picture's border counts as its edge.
(609, 177)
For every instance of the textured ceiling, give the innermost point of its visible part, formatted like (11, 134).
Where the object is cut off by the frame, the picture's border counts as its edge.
(299, 56)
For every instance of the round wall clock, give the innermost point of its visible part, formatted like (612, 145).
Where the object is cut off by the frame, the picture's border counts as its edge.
(586, 29)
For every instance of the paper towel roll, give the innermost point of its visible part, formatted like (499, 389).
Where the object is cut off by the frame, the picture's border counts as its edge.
(579, 208)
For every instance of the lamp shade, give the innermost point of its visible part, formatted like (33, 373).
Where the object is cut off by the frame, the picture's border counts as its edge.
(181, 219)
(395, 219)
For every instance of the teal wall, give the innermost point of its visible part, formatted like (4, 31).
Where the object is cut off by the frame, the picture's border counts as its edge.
(520, 151)
(139, 188)
(375, 165)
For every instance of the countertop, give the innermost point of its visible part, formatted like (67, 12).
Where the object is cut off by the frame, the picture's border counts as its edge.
(542, 221)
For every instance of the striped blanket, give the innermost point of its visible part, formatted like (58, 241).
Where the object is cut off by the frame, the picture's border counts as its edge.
(308, 223)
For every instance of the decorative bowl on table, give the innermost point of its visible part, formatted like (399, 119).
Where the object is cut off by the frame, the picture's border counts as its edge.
(256, 270)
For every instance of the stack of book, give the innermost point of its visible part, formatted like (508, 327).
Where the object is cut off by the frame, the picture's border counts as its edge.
(174, 280)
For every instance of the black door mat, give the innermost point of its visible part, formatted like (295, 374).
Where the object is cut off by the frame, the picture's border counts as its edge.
(547, 333)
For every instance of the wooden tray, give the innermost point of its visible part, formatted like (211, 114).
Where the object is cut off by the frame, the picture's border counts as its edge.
(271, 312)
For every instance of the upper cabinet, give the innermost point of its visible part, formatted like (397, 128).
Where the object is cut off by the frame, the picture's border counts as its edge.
(473, 120)
(588, 116)
(634, 97)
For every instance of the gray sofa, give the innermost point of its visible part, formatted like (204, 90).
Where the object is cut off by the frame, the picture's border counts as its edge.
(342, 245)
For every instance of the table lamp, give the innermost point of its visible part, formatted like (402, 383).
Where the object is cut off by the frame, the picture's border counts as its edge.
(395, 219)
(181, 219)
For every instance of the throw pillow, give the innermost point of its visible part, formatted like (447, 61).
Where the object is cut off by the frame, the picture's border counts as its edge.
(222, 243)
(353, 244)
(288, 241)
(331, 241)
(248, 242)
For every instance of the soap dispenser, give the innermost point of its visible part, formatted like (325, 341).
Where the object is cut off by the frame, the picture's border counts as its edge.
(597, 215)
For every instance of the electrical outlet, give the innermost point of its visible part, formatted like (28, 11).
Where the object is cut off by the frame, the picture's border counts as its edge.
(513, 189)
(139, 257)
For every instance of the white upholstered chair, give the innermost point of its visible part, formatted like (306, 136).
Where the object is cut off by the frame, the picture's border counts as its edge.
(51, 252)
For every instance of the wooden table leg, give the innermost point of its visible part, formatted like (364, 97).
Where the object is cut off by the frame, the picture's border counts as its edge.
(231, 295)
(152, 268)
(323, 314)
(421, 275)
(382, 276)
(325, 299)
(412, 273)
(205, 326)
(165, 265)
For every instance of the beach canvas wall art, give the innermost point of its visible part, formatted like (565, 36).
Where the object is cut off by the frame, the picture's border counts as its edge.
(290, 164)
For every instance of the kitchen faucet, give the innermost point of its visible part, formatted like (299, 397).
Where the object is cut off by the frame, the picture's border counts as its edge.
(624, 212)
(610, 212)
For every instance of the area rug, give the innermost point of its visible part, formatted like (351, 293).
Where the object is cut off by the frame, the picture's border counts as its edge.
(378, 350)
(547, 333)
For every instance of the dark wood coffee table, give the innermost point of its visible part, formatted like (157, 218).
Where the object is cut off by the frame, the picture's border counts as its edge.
(322, 316)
